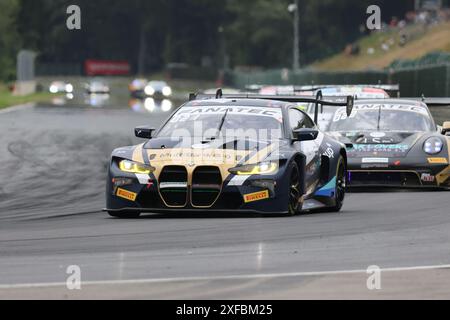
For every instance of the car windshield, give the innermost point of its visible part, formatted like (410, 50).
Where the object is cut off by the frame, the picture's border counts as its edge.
(382, 117)
(210, 123)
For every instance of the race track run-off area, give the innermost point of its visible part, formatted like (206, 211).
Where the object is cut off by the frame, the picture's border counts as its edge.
(53, 170)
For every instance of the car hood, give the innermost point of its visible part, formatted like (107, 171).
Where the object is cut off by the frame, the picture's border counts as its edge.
(378, 143)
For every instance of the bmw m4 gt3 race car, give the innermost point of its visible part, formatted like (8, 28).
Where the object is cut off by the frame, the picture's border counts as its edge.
(393, 143)
(230, 154)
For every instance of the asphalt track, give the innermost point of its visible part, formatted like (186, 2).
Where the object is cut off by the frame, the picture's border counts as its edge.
(52, 170)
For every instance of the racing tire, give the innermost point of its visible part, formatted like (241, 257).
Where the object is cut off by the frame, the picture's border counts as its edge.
(295, 197)
(341, 182)
(124, 215)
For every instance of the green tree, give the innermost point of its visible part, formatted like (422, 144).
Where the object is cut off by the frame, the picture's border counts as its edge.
(9, 42)
(151, 33)
(260, 32)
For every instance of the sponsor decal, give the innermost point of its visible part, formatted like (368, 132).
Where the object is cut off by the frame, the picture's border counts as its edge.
(186, 155)
(143, 178)
(329, 152)
(128, 195)
(193, 113)
(378, 134)
(437, 160)
(341, 113)
(380, 147)
(376, 140)
(120, 182)
(375, 160)
(106, 67)
(257, 196)
(374, 165)
(426, 177)
(173, 185)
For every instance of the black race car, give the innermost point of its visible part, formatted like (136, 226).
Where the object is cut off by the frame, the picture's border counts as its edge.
(228, 154)
(393, 142)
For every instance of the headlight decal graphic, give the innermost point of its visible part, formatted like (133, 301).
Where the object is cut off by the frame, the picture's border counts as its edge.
(134, 167)
(263, 168)
(433, 145)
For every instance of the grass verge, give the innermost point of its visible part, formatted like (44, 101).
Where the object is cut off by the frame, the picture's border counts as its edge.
(422, 41)
(8, 100)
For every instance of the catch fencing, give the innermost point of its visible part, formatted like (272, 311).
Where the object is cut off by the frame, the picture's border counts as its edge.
(431, 81)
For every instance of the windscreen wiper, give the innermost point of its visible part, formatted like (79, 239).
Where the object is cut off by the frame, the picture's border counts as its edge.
(222, 122)
(219, 129)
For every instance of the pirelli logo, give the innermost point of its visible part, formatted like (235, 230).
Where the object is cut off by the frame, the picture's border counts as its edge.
(257, 196)
(122, 193)
(437, 160)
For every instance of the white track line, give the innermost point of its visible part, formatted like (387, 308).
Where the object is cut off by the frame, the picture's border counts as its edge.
(214, 278)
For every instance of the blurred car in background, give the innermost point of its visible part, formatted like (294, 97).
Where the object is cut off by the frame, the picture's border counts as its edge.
(97, 99)
(150, 105)
(342, 91)
(97, 87)
(60, 87)
(276, 90)
(158, 90)
(357, 91)
(137, 87)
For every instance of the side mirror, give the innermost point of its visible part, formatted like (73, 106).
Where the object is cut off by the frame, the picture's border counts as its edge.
(144, 132)
(446, 128)
(350, 103)
(305, 134)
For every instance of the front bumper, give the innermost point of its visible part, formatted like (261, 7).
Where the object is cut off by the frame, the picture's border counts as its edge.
(255, 194)
(198, 211)
(398, 173)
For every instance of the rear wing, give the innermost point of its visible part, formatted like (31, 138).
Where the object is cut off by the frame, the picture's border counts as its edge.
(432, 102)
(318, 101)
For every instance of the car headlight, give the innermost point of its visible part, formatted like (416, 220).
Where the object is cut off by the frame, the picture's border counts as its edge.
(167, 91)
(69, 88)
(166, 105)
(149, 90)
(262, 168)
(134, 167)
(433, 145)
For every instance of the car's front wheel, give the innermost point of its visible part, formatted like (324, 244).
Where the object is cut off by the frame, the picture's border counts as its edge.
(341, 185)
(295, 195)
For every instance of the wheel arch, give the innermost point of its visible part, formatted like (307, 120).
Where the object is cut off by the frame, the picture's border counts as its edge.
(300, 160)
(343, 153)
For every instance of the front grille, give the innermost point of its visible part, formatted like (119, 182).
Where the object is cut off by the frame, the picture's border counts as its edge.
(206, 186)
(173, 186)
(388, 178)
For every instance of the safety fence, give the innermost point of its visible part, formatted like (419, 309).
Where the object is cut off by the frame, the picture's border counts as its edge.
(431, 81)
(59, 69)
